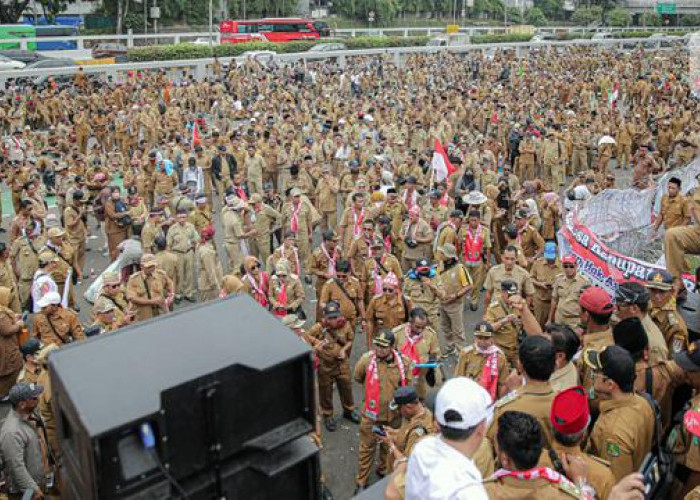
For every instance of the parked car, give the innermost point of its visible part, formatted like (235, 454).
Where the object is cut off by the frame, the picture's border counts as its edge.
(104, 50)
(203, 40)
(7, 64)
(50, 63)
(327, 47)
(603, 35)
(25, 56)
(264, 57)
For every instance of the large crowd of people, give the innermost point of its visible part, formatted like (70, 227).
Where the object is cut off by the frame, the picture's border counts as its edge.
(332, 213)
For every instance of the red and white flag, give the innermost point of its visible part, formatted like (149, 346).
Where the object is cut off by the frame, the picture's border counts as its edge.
(613, 96)
(196, 140)
(441, 163)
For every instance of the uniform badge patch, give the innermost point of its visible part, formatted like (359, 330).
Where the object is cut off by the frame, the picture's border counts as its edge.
(612, 450)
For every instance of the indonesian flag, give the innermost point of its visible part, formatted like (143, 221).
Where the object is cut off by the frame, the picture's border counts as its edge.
(494, 118)
(441, 163)
(196, 140)
(612, 96)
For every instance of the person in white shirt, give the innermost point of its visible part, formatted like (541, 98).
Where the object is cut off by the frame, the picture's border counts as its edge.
(43, 282)
(441, 467)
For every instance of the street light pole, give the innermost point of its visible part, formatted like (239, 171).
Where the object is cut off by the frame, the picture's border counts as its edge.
(211, 22)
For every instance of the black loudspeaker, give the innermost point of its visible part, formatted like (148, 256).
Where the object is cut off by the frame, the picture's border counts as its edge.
(212, 402)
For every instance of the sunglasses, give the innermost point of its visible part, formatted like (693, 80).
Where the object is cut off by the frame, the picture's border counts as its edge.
(389, 290)
(569, 266)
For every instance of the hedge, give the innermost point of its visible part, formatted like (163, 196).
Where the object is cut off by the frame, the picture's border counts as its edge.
(501, 38)
(192, 51)
(647, 33)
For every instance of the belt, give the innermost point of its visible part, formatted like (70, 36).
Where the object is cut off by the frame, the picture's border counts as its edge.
(183, 252)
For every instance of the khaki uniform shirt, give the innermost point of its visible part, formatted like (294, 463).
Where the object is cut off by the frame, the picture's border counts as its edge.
(211, 274)
(387, 312)
(506, 336)
(149, 233)
(422, 230)
(497, 274)
(623, 433)
(155, 286)
(674, 210)
(665, 377)
(335, 341)
(596, 341)
(348, 303)
(543, 272)
(65, 258)
(62, 328)
(536, 489)
(182, 238)
(295, 292)
(233, 226)
(531, 242)
(471, 365)
(567, 292)
(120, 302)
(413, 430)
(327, 194)
(672, 325)
(658, 350)
(75, 227)
(371, 270)
(421, 294)
(564, 377)
(599, 474)
(534, 398)
(389, 380)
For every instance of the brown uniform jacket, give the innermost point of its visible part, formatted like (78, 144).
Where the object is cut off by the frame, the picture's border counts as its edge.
(534, 398)
(497, 274)
(295, 292)
(623, 433)
(543, 272)
(599, 474)
(535, 489)
(471, 365)
(567, 292)
(10, 356)
(672, 325)
(387, 312)
(389, 380)
(413, 430)
(348, 303)
(210, 274)
(596, 341)
(155, 286)
(674, 211)
(63, 328)
(664, 377)
(335, 340)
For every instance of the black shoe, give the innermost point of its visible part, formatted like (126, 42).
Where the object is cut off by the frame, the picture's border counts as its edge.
(331, 424)
(473, 306)
(352, 416)
(3, 230)
(359, 488)
(76, 309)
(190, 299)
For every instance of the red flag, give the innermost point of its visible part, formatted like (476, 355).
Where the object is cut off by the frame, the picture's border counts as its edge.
(494, 117)
(441, 163)
(196, 141)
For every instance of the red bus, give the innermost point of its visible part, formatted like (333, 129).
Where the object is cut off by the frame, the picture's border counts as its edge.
(283, 29)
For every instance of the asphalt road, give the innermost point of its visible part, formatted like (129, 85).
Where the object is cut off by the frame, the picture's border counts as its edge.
(339, 454)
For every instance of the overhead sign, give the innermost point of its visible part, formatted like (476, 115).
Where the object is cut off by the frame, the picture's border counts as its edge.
(666, 8)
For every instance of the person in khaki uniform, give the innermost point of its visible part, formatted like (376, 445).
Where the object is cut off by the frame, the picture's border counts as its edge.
(150, 290)
(508, 270)
(286, 291)
(183, 239)
(664, 311)
(166, 260)
(417, 422)
(112, 292)
(632, 300)
(360, 250)
(152, 229)
(624, 431)
(265, 219)
(419, 342)
(24, 254)
(484, 362)
(381, 371)
(529, 239)
(534, 394)
(297, 218)
(570, 417)
(8, 279)
(334, 336)
(254, 166)
(201, 216)
(520, 444)
(234, 233)
(416, 235)
(76, 232)
(455, 285)
(674, 207)
(211, 274)
(543, 273)
(327, 198)
(323, 261)
(345, 290)
(506, 321)
(681, 240)
(377, 268)
(387, 310)
(54, 324)
(421, 287)
(566, 291)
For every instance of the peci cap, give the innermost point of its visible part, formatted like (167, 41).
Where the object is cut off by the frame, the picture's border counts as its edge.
(483, 329)
(569, 259)
(30, 347)
(614, 362)
(596, 300)
(404, 395)
(470, 403)
(55, 232)
(449, 251)
(631, 336)
(49, 299)
(570, 413)
(550, 250)
(631, 293)
(689, 360)
(24, 392)
(660, 280)
(385, 338)
(332, 309)
(330, 235)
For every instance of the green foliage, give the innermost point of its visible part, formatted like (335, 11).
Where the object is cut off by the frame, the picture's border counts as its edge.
(586, 15)
(690, 20)
(536, 17)
(552, 9)
(501, 38)
(490, 8)
(384, 10)
(619, 17)
(651, 19)
(192, 51)
(134, 21)
(51, 8)
(514, 15)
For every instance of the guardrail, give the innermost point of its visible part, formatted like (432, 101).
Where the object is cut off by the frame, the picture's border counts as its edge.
(201, 68)
(131, 39)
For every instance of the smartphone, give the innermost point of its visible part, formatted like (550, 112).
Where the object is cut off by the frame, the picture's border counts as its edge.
(378, 430)
(651, 474)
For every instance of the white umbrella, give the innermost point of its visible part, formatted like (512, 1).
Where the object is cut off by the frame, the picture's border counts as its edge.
(606, 139)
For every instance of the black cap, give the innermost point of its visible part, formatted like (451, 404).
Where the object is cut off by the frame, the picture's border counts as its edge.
(30, 347)
(615, 362)
(434, 194)
(423, 262)
(521, 214)
(78, 195)
(483, 329)
(509, 286)
(689, 360)
(385, 338)
(403, 396)
(343, 266)
(660, 280)
(332, 309)
(631, 293)
(630, 335)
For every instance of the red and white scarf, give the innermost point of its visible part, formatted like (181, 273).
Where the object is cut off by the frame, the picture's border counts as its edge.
(377, 276)
(241, 193)
(331, 260)
(259, 288)
(550, 475)
(281, 310)
(410, 348)
(294, 221)
(357, 222)
(371, 408)
(489, 372)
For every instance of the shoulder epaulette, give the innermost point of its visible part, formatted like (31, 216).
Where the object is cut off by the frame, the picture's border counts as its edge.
(511, 396)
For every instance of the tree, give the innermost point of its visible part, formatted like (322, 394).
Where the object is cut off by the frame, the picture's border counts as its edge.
(11, 11)
(586, 15)
(552, 9)
(514, 15)
(619, 17)
(51, 8)
(535, 16)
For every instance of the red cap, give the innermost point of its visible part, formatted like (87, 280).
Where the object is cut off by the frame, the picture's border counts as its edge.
(596, 300)
(208, 232)
(570, 413)
(569, 259)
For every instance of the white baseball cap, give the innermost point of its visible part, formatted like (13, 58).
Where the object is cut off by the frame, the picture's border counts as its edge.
(467, 398)
(49, 299)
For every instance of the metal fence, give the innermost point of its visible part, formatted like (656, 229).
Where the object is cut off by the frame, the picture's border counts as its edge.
(201, 68)
(133, 39)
